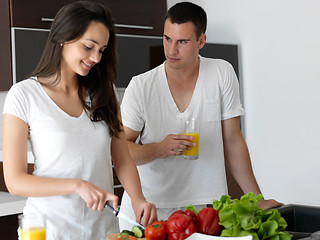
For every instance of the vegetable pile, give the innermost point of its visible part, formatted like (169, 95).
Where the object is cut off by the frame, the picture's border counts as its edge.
(227, 218)
(243, 217)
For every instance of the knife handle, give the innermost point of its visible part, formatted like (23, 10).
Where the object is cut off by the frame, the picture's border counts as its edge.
(108, 206)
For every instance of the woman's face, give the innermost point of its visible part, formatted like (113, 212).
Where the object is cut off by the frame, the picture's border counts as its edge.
(79, 56)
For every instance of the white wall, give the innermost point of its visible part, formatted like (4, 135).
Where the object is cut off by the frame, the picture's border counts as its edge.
(280, 73)
(279, 44)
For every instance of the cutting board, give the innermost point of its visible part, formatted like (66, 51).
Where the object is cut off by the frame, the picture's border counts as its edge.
(113, 236)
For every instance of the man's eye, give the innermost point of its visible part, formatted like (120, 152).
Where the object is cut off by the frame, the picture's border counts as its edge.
(182, 42)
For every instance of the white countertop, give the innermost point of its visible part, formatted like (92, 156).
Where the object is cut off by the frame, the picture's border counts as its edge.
(11, 204)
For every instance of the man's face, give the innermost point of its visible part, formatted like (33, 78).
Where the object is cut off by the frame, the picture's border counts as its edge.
(181, 46)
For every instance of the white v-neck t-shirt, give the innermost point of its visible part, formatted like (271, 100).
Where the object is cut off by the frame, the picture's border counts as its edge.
(148, 106)
(64, 147)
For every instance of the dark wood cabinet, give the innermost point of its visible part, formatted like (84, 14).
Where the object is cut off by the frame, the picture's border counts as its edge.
(5, 47)
(131, 17)
(139, 17)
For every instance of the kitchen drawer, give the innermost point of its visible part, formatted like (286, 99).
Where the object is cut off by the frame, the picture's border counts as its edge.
(142, 17)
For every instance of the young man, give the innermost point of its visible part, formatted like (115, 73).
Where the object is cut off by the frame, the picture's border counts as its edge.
(186, 85)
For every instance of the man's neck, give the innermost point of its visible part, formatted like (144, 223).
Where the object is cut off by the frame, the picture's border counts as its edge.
(183, 75)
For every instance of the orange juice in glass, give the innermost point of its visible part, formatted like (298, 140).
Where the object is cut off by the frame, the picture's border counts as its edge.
(192, 128)
(32, 227)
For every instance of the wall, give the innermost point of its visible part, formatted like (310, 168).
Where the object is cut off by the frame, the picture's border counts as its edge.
(280, 76)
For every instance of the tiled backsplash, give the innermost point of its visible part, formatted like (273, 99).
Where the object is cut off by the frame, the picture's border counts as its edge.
(3, 96)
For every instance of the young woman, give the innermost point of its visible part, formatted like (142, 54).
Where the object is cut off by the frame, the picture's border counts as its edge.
(69, 112)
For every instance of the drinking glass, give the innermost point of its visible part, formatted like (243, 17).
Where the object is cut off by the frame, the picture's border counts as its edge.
(32, 227)
(191, 127)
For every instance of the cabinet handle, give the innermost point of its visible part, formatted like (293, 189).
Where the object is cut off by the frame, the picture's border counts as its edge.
(47, 19)
(134, 26)
(117, 25)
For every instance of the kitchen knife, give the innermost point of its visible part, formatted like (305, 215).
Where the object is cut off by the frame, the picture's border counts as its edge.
(123, 217)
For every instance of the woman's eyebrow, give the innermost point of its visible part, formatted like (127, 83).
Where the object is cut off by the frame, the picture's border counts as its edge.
(94, 41)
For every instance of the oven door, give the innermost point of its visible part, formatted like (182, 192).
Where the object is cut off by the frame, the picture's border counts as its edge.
(27, 48)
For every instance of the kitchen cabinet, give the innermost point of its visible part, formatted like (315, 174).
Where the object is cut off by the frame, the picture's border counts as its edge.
(139, 17)
(9, 226)
(131, 17)
(5, 46)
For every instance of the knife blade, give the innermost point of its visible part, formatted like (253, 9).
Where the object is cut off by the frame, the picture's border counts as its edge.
(123, 216)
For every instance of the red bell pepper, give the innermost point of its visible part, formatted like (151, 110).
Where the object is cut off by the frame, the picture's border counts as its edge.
(208, 222)
(180, 226)
(192, 214)
(188, 212)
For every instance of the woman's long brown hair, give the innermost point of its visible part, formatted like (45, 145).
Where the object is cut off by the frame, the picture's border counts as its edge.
(70, 23)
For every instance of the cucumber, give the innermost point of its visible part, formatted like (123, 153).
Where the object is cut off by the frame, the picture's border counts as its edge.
(126, 232)
(138, 232)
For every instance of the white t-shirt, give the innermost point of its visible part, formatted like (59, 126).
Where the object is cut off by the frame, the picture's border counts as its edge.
(148, 106)
(64, 147)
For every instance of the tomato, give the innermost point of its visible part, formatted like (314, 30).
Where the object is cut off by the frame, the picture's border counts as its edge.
(162, 222)
(126, 237)
(155, 231)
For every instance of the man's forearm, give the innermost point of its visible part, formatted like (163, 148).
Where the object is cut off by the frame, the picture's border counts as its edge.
(239, 163)
(142, 154)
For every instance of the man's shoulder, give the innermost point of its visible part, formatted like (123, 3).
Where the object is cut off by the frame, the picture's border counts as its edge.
(216, 62)
(150, 76)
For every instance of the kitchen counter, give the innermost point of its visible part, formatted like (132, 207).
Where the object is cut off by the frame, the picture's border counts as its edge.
(10, 205)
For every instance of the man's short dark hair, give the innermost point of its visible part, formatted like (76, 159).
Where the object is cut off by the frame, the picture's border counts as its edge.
(188, 12)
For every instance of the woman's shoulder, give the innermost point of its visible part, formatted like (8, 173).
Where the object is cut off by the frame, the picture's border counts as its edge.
(25, 85)
(26, 82)
(24, 90)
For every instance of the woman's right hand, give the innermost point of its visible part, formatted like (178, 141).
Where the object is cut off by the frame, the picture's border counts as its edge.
(95, 197)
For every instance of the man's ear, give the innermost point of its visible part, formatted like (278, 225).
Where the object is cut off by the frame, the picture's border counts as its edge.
(202, 40)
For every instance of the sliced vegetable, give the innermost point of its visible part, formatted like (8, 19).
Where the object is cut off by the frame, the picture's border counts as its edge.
(138, 231)
(126, 232)
(126, 237)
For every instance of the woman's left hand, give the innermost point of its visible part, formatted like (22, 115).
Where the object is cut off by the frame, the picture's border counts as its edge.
(144, 209)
